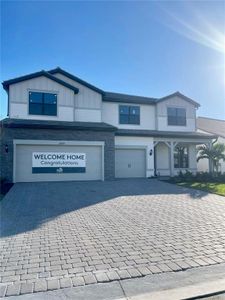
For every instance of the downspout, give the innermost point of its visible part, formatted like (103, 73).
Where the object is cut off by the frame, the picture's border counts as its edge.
(74, 105)
(8, 102)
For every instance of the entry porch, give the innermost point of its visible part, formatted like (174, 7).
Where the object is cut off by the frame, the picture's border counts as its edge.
(174, 155)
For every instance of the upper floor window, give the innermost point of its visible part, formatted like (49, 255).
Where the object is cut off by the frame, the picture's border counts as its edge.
(129, 114)
(176, 116)
(42, 104)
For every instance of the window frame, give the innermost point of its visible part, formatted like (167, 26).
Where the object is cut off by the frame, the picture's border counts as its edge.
(177, 108)
(188, 157)
(43, 92)
(129, 114)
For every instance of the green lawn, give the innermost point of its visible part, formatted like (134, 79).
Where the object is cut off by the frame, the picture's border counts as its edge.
(211, 187)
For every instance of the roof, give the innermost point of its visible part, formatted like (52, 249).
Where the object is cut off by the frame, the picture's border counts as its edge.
(124, 98)
(37, 124)
(106, 96)
(213, 126)
(77, 79)
(38, 74)
(178, 94)
(167, 134)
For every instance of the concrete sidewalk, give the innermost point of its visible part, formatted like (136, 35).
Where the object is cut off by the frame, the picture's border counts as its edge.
(198, 282)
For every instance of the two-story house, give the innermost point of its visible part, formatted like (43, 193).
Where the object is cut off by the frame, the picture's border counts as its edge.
(61, 128)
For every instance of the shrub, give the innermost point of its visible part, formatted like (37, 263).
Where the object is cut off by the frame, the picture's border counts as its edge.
(199, 177)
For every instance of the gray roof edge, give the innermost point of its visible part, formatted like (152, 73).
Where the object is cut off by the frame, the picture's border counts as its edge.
(213, 119)
(6, 83)
(25, 123)
(156, 133)
(126, 98)
(131, 101)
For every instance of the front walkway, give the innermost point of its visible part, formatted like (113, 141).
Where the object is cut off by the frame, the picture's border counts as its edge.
(57, 235)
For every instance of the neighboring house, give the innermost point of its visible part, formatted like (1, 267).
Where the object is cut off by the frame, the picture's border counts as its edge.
(211, 126)
(60, 127)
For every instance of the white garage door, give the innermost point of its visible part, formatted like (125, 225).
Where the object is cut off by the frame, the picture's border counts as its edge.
(58, 162)
(130, 163)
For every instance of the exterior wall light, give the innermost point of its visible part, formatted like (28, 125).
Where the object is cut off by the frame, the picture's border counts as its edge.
(6, 148)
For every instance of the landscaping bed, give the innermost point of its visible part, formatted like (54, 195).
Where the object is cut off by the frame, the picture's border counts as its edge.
(202, 181)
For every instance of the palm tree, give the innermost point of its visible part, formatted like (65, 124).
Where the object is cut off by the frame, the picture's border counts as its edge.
(214, 154)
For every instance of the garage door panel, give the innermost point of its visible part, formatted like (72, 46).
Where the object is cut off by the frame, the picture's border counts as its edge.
(130, 163)
(23, 169)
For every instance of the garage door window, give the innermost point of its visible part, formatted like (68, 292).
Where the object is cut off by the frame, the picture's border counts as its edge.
(42, 104)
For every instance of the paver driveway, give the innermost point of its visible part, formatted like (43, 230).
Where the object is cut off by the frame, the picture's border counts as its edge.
(67, 234)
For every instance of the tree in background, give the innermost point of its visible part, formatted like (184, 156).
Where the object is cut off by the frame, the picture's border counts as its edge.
(214, 154)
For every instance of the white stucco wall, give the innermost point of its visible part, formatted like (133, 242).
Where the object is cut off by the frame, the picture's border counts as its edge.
(161, 122)
(90, 115)
(139, 141)
(110, 115)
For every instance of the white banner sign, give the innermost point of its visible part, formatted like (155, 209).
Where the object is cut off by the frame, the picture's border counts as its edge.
(58, 162)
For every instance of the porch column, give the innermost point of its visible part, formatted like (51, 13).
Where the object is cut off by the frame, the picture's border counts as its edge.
(171, 159)
(171, 145)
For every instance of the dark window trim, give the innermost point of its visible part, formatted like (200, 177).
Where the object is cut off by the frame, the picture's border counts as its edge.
(129, 115)
(42, 92)
(184, 125)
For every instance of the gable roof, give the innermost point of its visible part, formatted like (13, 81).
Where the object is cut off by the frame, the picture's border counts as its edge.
(213, 126)
(77, 79)
(106, 96)
(124, 98)
(38, 74)
(178, 94)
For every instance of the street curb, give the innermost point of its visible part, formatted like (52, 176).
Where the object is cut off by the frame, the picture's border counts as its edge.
(189, 292)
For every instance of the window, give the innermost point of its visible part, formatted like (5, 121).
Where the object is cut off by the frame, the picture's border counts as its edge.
(176, 116)
(42, 104)
(181, 157)
(129, 114)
